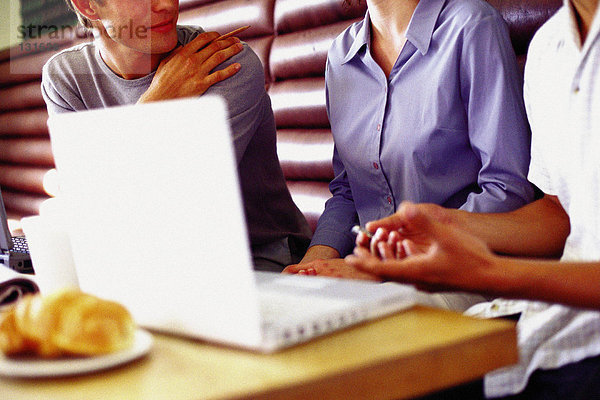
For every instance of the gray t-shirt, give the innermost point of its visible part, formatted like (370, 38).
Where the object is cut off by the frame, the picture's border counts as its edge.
(78, 79)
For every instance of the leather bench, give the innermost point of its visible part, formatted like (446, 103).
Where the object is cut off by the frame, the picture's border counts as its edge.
(291, 37)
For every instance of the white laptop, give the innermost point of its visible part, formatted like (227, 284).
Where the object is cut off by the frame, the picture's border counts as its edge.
(157, 224)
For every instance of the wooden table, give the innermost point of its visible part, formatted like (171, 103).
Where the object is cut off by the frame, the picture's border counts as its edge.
(411, 353)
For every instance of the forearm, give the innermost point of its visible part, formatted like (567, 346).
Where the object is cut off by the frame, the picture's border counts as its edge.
(538, 229)
(575, 284)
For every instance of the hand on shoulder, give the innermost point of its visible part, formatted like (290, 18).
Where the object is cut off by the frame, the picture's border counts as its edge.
(187, 70)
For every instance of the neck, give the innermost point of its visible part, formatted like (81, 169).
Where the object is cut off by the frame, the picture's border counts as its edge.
(389, 22)
(391, 18)
(126, 62)
(584, 13)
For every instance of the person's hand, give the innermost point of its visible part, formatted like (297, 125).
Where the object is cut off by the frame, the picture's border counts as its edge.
(325, 261)
(383, 243)
(386, 242)
(187, 70)
(334, 267)
(437, 255)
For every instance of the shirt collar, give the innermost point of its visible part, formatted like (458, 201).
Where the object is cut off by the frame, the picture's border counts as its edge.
(419, 32)
(574, 30)
(361, 39)
(422, 24)
(594, 29)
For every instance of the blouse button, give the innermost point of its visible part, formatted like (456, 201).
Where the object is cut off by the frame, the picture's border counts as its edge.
(375, 165)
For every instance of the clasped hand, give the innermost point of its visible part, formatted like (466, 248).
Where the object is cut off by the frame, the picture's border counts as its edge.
(187, 70)
(419, 244)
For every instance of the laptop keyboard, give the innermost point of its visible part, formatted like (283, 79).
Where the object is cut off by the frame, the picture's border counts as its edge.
(278, 306)
(295, 319)
(20, 244)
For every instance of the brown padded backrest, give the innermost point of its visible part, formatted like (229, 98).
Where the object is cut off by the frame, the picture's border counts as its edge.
(291, 37)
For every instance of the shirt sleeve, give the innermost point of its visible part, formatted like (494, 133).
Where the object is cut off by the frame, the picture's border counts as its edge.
(538, 173)
(53, 97)
(338, 218)
(499, 134)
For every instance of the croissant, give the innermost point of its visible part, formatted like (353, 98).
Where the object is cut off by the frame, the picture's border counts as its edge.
(67, 322)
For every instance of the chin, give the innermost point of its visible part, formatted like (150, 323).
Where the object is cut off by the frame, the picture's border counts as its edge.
(163, 46)
(161, 50)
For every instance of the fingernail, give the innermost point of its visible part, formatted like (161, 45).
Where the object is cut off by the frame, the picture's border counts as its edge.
(381, 248)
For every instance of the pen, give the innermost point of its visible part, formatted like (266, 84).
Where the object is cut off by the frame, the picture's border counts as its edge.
(356, 229)
(232, 33)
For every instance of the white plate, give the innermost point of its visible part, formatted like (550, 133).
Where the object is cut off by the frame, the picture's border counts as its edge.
(38, 368)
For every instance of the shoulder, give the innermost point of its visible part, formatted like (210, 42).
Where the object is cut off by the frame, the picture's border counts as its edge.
(468, 14)
(551, 33)
(74, 59)
(62, 75)
(251, 64)
(252, 75)
(544, 47)
(346, 39)
(64, 71)
(186, 33)
(470, 10)
(245, 89)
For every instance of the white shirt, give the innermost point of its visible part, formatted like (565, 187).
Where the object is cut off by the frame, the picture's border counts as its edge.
(562, 96)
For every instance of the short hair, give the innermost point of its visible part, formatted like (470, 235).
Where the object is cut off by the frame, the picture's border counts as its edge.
(83, 20)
